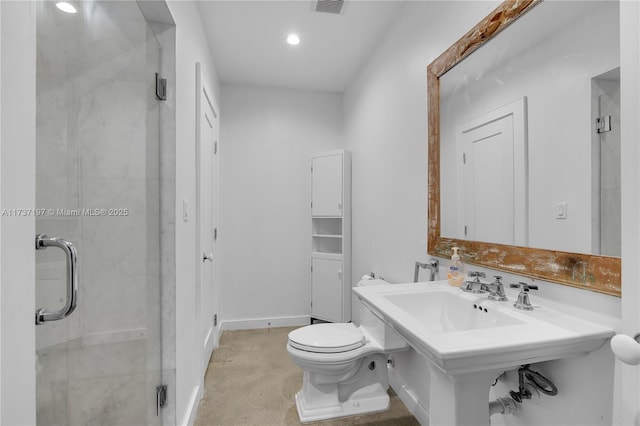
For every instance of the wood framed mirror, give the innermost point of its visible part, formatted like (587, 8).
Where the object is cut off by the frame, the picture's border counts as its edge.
(594, 272)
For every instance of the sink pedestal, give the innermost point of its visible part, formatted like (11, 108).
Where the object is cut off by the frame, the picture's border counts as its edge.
(470, 340)
(459, 399)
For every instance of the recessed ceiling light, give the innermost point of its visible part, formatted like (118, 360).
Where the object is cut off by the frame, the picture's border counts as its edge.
(66, 7)
(293, 39)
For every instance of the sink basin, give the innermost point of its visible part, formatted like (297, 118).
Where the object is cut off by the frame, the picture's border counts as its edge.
(445, 312)
(469, 340)
(463, 332)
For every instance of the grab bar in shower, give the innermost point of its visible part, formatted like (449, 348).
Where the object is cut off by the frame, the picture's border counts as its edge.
(71, 254)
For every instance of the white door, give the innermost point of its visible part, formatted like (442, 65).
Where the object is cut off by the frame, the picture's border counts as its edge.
(326, 289)
(326, 186)
(207, 293)
(488, 178)
(493, 165)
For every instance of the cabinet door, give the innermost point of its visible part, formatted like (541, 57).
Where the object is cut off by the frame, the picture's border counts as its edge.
(326, 186)
(326, 289)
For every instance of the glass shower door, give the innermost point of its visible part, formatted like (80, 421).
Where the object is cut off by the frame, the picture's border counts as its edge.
(97, 156)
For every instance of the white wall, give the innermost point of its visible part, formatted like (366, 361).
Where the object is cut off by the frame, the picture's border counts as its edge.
(627, 400)
(191, 47)
(0, 208)
(385, 128)
(17, 153)
(267, 138)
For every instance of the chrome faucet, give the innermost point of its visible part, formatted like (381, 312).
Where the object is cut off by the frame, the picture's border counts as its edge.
(523, 301)
(496, 290)
(432, 266)
(475, 286)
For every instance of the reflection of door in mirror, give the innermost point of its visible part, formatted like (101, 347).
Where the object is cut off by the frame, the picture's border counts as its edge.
(492, 161)
(552, 55)
(606, 164)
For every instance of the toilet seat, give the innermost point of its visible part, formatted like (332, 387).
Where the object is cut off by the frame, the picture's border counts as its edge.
(345, 367)
(327, 338)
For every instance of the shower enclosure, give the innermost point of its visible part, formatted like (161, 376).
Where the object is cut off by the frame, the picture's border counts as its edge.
(98, 187)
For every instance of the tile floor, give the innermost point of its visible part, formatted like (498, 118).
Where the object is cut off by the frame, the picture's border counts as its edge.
(252, 381)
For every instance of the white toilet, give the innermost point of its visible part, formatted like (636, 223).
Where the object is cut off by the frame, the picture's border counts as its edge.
(345, 367)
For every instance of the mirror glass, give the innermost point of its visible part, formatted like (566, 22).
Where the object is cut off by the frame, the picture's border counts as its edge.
(529, 133)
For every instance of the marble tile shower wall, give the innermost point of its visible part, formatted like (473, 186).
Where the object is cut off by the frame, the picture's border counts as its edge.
(98, 148)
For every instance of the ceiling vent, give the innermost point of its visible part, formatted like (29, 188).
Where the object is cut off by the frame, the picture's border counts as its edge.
(329, 6)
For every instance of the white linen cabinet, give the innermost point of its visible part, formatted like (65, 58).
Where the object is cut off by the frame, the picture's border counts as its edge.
(331, 236)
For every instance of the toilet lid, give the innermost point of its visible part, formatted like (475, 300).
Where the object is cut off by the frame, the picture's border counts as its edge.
(327, 338)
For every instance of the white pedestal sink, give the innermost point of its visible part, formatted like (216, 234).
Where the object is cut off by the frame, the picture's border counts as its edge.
(470, 340)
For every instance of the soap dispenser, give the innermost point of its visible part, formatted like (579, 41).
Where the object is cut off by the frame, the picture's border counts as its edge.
(455, 273)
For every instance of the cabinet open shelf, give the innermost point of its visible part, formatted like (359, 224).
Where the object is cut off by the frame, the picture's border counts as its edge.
(327, 225)
(331, 244)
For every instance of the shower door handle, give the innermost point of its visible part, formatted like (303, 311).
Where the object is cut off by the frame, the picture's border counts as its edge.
(71, 254)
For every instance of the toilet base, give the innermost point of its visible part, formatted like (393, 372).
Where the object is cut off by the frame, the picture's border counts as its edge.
(371, 399)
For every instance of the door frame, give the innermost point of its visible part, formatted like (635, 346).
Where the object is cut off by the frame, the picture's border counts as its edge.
(212, 341)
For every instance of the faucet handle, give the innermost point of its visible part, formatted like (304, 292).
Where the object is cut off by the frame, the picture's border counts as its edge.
(496, 290)
(524, 286)
(523, 301)
(476, 274)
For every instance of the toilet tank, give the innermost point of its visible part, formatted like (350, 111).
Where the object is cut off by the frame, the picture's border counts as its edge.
(373, 327)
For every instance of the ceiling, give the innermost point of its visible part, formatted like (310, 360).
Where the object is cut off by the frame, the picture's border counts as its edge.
(247, 40)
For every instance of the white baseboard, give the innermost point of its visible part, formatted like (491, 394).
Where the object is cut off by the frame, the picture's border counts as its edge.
(408, 398)
(218, 334)
(249, 324)
(192, 410)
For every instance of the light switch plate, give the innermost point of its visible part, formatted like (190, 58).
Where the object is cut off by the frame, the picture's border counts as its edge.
(561, 210)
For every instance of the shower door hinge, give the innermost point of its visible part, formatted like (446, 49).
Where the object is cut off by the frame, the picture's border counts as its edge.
(215, 320)
(215, 234)
(465, 230)
(161, 88)
(603, 124)
(161, 398)
(464, 158)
